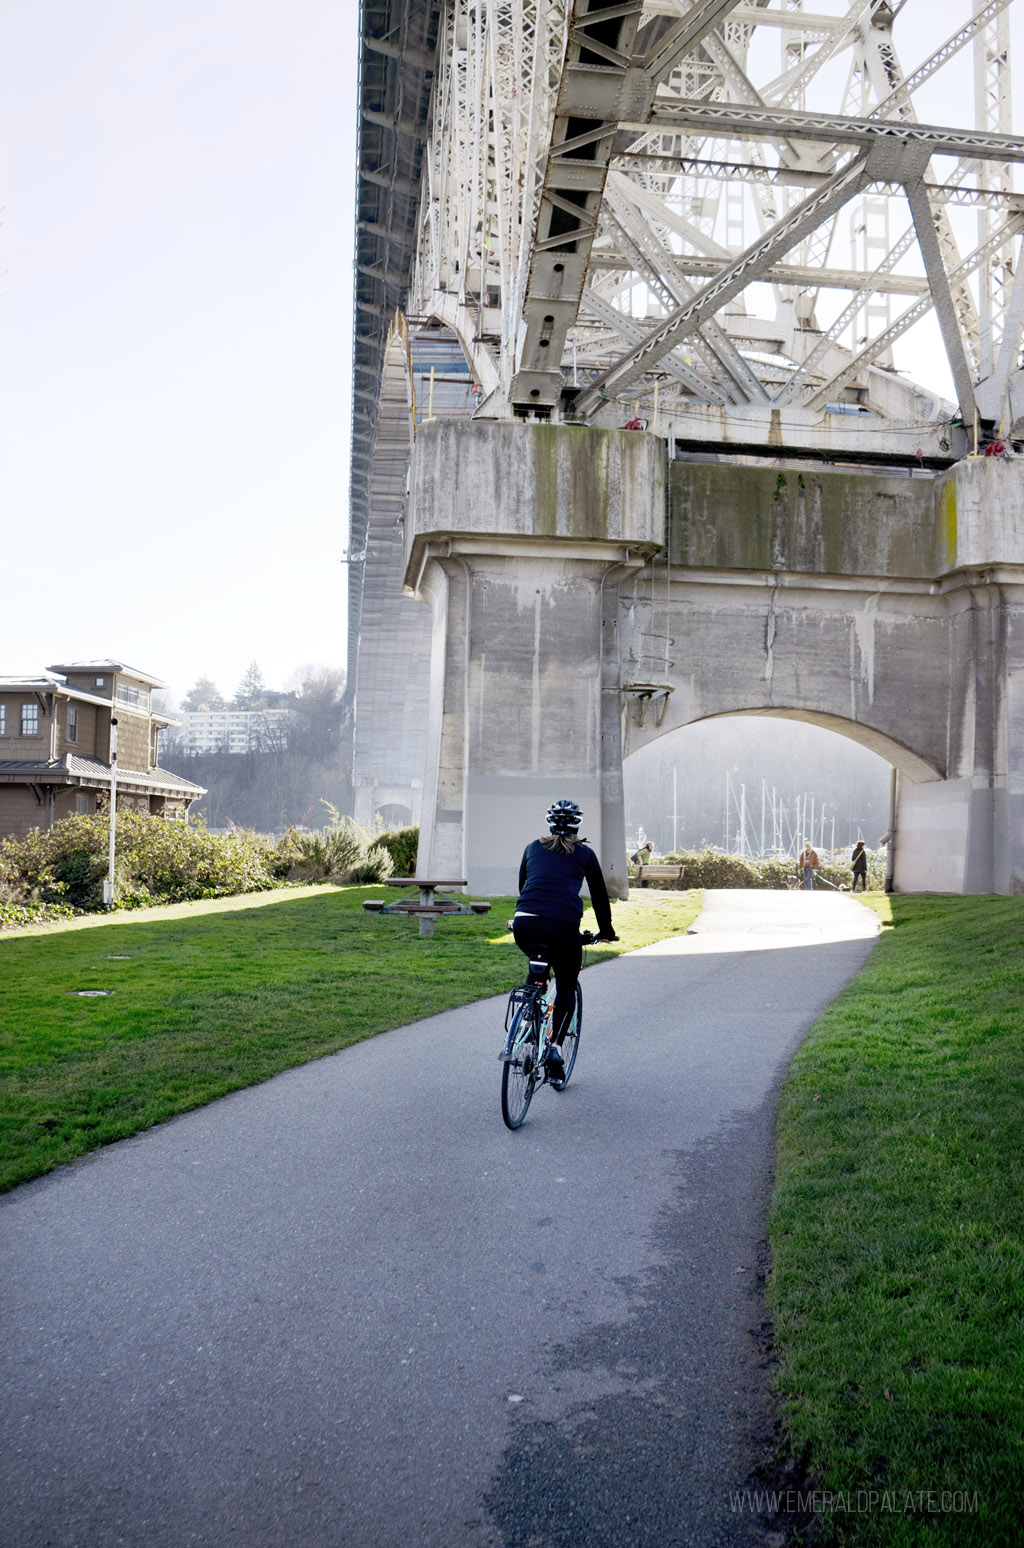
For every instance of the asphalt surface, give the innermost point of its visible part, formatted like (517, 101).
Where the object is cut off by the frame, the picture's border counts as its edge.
(349, 1309)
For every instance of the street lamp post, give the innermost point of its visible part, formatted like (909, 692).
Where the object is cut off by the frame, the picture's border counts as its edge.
(108, 885)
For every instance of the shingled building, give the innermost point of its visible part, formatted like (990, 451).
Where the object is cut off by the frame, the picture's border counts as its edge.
(56, 746)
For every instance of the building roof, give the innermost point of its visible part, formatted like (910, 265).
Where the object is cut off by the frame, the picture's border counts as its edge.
(109, 665)
(33, 682)
(75, 770)
(51, 685)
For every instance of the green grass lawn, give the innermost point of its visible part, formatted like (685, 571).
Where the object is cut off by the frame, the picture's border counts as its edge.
(204, 998)
(897, 1234)
(897, 1227)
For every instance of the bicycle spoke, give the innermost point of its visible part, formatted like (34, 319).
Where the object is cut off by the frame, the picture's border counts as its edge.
(571, 1042)
(520, 1070)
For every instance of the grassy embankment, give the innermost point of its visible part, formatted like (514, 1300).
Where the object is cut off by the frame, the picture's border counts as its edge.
(205, 998)
(897, 1234)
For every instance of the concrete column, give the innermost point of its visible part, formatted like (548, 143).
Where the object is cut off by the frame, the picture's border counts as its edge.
(518, 536)
(965, 833)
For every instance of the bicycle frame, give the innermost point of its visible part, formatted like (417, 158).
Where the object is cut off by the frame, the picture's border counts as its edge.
(528, 1028)
(534, 997)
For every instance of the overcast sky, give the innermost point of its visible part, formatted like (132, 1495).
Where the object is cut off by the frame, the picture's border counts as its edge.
(175, 321)
(176, 184)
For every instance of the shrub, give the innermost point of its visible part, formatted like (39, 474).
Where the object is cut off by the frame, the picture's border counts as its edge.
(376, 865)
(709, 868)
(402, 846)
(64, 864)
(14, 914)
(156, 861)
(326, 854)
(346, 851)
(173, 862)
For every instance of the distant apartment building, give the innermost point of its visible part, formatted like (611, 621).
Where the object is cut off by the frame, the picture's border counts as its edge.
(233, 731)
(57, 734)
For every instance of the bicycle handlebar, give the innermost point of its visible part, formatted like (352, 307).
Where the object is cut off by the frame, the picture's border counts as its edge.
(587, 936)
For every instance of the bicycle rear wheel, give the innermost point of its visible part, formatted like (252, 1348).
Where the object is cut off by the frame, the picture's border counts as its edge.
(519, 1071)
(571, 1042)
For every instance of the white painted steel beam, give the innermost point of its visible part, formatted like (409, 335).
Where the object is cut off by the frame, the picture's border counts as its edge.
(736, 121)
(750, 265)
(655, 154)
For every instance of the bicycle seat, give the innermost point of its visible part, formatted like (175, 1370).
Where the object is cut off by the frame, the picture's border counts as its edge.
(540, 970)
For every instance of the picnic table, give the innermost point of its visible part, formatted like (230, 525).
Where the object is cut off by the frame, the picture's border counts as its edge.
(429, 906)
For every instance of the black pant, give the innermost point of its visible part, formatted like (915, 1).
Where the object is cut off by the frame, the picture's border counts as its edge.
(558, 942)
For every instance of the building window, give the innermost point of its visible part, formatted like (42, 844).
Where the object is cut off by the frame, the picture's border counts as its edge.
(72, 722)
(82, 804)
(3, 719)
(30, 720)
(100, 681)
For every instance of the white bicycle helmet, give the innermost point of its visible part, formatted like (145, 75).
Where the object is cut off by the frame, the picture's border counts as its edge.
(564, 817)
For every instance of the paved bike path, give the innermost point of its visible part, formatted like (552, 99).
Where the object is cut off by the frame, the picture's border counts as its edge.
(349, 1309)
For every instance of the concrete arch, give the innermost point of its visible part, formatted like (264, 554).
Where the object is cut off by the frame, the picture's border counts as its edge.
(393, 814)
(914, 768)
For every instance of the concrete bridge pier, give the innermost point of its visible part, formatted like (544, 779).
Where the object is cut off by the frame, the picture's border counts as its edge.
(519, 537)
(889, 609)
(965, 832)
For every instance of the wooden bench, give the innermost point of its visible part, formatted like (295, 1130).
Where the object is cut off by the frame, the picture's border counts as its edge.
(429, 906)
(659, 872)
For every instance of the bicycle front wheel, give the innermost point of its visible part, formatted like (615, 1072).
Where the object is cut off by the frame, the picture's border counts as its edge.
(571, 1042)
(519, 1071)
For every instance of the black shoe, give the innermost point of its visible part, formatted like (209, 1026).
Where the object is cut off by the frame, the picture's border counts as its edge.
(554, 1063)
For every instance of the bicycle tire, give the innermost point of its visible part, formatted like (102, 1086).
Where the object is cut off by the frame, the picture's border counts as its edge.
(571, 1042)
(519, 1071)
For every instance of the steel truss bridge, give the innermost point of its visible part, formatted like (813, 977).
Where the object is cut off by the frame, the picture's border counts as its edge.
(711, 219)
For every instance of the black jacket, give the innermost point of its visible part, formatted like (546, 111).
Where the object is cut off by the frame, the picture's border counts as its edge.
(549, 885)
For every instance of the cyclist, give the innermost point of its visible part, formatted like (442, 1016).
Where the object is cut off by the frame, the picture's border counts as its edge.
(549, 910)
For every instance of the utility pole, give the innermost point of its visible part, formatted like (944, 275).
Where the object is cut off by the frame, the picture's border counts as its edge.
(675, 809)
(728, 788)
(108, 885)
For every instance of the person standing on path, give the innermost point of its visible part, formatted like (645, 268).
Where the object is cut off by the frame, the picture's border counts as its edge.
(859, 866)
(808, 864)
(549, 909)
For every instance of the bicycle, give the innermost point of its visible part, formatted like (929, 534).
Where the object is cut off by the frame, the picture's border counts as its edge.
(528, 1025)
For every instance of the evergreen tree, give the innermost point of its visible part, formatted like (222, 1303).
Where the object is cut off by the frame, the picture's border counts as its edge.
(251, 692)
(203, 695)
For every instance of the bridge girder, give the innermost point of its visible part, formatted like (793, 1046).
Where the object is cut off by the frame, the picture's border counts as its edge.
(723, 116)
